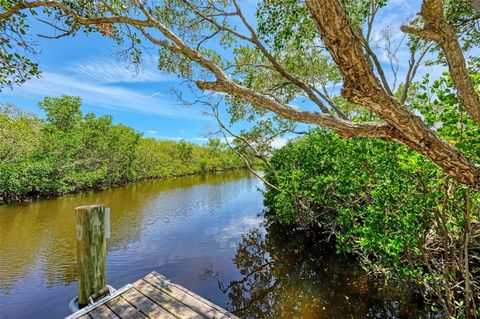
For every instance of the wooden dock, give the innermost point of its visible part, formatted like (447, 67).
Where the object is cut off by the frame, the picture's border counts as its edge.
(153, 296)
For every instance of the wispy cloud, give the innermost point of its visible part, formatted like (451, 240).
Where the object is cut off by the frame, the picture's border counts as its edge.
(107, 71)
(151, 132)
(170, 138)
(101, 95)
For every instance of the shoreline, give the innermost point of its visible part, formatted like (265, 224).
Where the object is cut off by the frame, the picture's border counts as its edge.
(6, 199)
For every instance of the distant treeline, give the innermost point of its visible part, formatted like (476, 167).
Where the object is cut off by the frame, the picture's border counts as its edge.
(69, 151)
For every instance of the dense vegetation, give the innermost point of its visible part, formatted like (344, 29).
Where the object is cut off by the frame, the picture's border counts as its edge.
(384, 204)
(69, 151)
(408, 210)
(389, 205)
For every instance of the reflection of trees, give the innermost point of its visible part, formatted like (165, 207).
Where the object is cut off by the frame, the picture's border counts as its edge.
(41, 235)
(287, 275)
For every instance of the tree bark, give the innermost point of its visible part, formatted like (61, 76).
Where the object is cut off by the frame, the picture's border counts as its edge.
(437, 29)
(362, 87)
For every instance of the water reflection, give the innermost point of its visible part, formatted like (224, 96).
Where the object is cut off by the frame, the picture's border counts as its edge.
(286, 275)
(175, 227)
(189, 229)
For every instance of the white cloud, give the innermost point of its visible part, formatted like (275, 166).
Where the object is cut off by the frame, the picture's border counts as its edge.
(229, 139)
(108, 71)
(101, 95)
(279, 142)
(170, 138)
(151, 132)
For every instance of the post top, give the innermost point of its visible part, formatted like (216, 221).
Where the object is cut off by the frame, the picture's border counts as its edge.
(89, 207)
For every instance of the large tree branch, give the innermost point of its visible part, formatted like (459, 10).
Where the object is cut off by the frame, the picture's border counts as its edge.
(224, 84)
(437, 29)
(362, 87)
(254, 39)
(70, 12)
(344, 128)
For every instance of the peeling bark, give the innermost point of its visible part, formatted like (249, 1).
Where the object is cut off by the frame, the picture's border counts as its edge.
(362, 87)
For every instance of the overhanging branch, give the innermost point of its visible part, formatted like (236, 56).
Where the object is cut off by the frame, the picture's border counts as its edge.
(437, 29)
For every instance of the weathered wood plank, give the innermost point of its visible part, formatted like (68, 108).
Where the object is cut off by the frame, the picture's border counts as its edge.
(123, 309)
(154, 296)
(102, 312)
(192, 300)
(166, 301)
(147, 306)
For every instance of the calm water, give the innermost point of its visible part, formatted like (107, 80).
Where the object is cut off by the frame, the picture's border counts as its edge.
(203, 232)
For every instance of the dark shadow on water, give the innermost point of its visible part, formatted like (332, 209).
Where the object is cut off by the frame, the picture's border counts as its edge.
(288, 275)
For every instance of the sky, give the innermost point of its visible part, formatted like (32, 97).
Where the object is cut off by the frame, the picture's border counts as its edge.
(87, 66)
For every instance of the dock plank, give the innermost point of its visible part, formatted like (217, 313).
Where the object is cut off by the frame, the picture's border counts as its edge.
(102, 312)
(147, 306)
(189, 298)
(153, 296)
(124, 309)
(166, 301)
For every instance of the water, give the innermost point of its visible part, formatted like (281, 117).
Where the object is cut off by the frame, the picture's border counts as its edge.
(203, 232)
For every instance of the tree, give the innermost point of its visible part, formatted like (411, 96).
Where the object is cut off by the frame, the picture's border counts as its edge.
(272, 65)
(63, 113)
(68, 152)
(214, 144)
(185, 151)
(18, 131)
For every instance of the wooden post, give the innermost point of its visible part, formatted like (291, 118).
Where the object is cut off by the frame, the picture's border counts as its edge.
(91, 251)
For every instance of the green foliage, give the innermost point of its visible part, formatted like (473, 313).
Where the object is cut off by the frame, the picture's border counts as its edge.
(359, 11)
(63, 113)
(15, 65)
(382, 201)
(439, 105)
(388, 204)
(286, 24)
(322, 170)
(17, 133)
(69, 151)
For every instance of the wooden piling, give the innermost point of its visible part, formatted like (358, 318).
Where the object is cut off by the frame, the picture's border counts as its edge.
(91, 251)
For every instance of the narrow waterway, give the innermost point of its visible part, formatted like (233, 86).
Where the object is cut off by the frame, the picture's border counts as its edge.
(203, 232)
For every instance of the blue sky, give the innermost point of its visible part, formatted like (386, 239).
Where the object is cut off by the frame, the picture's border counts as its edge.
(86, 66)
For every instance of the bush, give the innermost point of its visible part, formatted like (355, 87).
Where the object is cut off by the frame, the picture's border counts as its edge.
(69, 151)
(386, 204)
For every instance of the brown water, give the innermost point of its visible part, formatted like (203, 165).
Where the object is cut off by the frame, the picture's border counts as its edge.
(203, 232)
